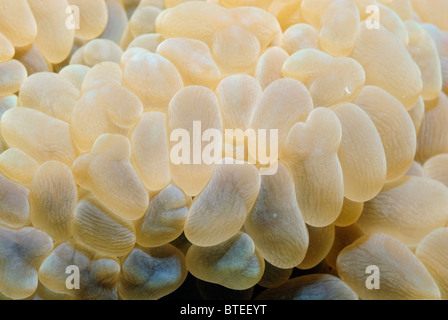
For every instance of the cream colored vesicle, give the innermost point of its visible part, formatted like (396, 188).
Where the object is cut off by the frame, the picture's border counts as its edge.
(14, 207)
(17, 22)
(269, 66)
(402, 275)
(18, 166)
(436, 168)
(12, 74)
(92, 18)
(320, 242)
(299, 36)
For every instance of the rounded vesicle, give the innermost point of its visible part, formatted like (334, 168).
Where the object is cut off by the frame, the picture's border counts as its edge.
(101, 50)
(350, 212)
(153, 78)
(401, 274)
(75, 73)
(235, 50)
(17, 22)
(6, 49)
(150, 154)
(432, 251)
(148, 42)
(92, 18)
(14, 206)
(320, 242)
(12, 75)
(407, 209)
(312, 11)
(53, 198)
(101, 230)
(392, 22)
(299, 36)
(53, 38)
(433, 135)
(104, 73)
(417, 114)
(49, 93)
(164, 220)
(143, 20)
(193, 112)
(151, 273)
(310, 154)
(17, 166)
(394, 126)
(193, 60)
(234, 263)
(393, 69)
(221, 209)
(116, 22)
(107, 172)
(276, 224)
(361, 154)
(37, 134)
(269, 66)
(436, 168)
(310, 287)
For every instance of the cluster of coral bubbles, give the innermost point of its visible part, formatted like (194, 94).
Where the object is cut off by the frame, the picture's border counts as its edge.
(91, 92)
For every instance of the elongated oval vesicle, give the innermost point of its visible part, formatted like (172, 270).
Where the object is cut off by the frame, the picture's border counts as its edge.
(116, 22)
(37, 134)
(107, 172)
(99, 275)
(148, 42)
(101, 230)
(424, 52)
(107, 109)
(14, 206)
(402, 275)
(235, 50)
(104, 73)
(192, 114)
(193, 19)
(310, 153)
(53, 198)
(283, 103)
(361, 154)
(75, 73)
(238, 96)
(395, 127)
(151, 273)
(432, 251)
(310, 287)
(350, 212)
(49, 93)
(193, 60)
(53, 38)
(331, 81)
(407, 209)
(22, 252)
(143, 20)
(436, 168)
(432, 12)
(92, 18)
(392, 69)
(417, 114)
(101, 50)
(299, 36)
(17, 22)
(12, 75)
(343, 237)
(165, 218)
(234, 263)
(320, 243)
(269, 66)
(153, 78)
(276, 224)
(6, 49)
(221, 208)
(392, 22)
(336, 38)
(17, 166)
(433, 135)
(150, 154)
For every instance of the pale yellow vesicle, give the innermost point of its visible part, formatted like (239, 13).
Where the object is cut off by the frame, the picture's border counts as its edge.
(107, 172)
(312, 11)
(310, 153)
(320, 242)
(37, 134)
(98, 274)
(143, 20)
(193, 60)
(390, 20)
(75, 73)
(436, 168)
(407, 209)
(33, 60)
(269, 66)
(150, 154)
(53, 198)
(192, 104)
(432, 11)
(149, 42)
(310, 287)
(151, 273)
(350, 212)
(6, 49)
(104, 73)
(116, 22)
(164, 220)
(402, 7)
(22, 252)
(394, 126)
(92, 18)
(17, 166)
(432, 251)
(417, 114)
(361, 154)
(12, 74)
(402, 275)
(14, 206)
(300, 36)
(235, 263)
(17, 22)
(276, 224)
(101, 50)
(264, 4)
